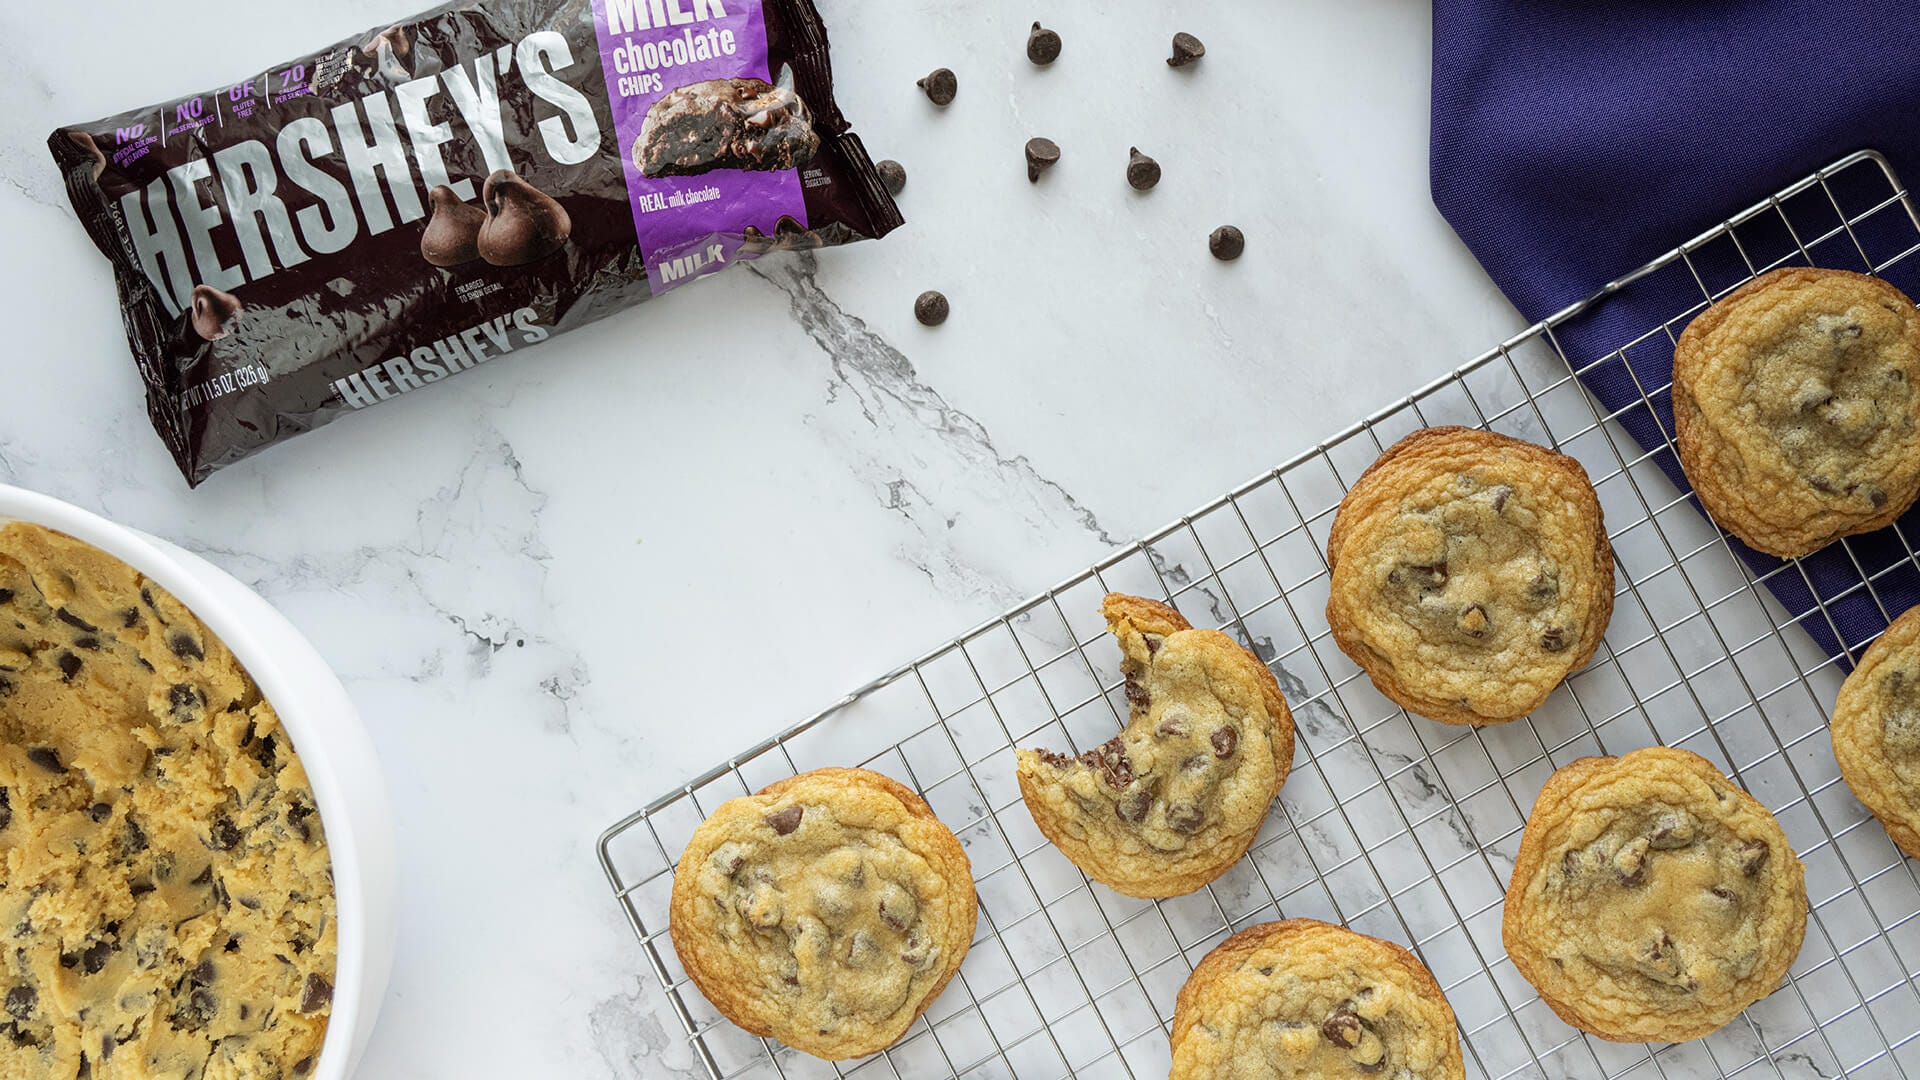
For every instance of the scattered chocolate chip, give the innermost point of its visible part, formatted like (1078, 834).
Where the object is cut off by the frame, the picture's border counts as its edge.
(69, 666)
(784, 821)
(1186, 818)
(893, 175)
(1111, 759)
(214, 314)
(931, 308)
(1553, 639)
(940, 86)
(99, 812)
(184, 646)
(1186, 49)
(75, 621)
(196, 1012)
(317, 994)
(1342, 1029)
(1225, 740)
(1133, 806)
(1142, 171)
(1042, 154)
(524, 224)
(47, 758)
(1226, 243)
(1043, 45)
(223, 834)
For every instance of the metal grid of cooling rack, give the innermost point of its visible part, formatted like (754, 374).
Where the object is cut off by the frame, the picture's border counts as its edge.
(1393, 825)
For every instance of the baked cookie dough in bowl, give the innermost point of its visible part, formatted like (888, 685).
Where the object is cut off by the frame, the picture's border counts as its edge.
(196, 865)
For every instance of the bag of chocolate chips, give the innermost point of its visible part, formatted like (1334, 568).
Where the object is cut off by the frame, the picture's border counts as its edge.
(397, 208)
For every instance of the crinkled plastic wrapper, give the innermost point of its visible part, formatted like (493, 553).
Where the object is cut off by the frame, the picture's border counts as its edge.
(388, 212)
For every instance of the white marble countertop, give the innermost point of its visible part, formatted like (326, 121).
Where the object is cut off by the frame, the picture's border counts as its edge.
(563, 584)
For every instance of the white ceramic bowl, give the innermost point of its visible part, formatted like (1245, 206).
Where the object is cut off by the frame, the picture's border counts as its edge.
(327, 734)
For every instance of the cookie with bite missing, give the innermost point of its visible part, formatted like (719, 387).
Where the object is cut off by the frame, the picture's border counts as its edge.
(1177, 797)
(1305, 998)
(1471, 574)
(1876, 731)
(826, 911)
(1652, 899)
(1795, 411)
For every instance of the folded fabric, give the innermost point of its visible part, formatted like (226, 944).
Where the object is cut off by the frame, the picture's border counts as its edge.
(1572, 143)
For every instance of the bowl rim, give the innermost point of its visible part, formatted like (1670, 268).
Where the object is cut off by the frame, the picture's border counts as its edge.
(139, 551)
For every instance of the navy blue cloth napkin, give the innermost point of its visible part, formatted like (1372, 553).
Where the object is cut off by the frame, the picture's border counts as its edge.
(1574, 140)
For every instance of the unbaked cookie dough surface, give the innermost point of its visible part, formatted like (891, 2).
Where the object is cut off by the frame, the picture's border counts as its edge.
(166, 897)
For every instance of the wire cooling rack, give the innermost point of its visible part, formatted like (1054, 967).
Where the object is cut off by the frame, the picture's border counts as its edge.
(1393, 825)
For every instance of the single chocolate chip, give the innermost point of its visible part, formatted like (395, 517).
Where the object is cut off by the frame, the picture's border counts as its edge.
(1876, 496)
(184, 647)
(940, 86)
(1133, 806)
(931, 308)
(1185, 818)
(783, 822)
(1753, 855)
(1154, 641)
(303, 1066)
(99, 812)
(1822, 484)
(897, 907)
(87, 642)
(184, 702)
(140, 888)
(1630, 862)
(130, 618)
(1111, 759)
(1171, 727)
(69, 666)
(452, 235)
(202, 973)
(893, 175)
(1137, 695)
(1186, 49)
(196, 1012)
(204, 877)
(47, 758)
(1226, 243)
(223, 834)
(21, 1001)
(75, 621)
(317, 994)
(6, 809)
(1142, 171)
(1225, 740)
(1043, 45)
(214, 314)
(1724, 893)
(1544, 586)
(297, 821)
(264, 752)
(1501, 494)
(6, 596)
(94, 959)
(6, 687)
(524, 224)
(1342, 1029)
(1042, 154)
(1474, 622)
(1672, 831)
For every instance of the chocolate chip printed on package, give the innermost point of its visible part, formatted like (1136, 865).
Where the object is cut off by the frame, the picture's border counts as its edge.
(377, 216)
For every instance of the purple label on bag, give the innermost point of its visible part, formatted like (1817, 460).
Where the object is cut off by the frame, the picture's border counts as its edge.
(712, 149)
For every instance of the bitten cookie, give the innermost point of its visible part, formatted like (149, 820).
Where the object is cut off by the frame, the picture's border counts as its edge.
(1794, 408)
(1876, 731)
(1652, 900)
(1471, 574)
(1303, 998)
(1169, 803)
(827, 911)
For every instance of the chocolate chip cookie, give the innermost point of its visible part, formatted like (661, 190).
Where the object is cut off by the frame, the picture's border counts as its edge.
(827, 911)
(1308, 999)
(1876, 731)
(1652, 900)
(725, 124)
(166, 897)
(1169, 803)
(1471, 574)
(1794, 408)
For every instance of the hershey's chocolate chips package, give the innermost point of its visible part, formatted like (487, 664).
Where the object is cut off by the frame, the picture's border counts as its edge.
(366, 220)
